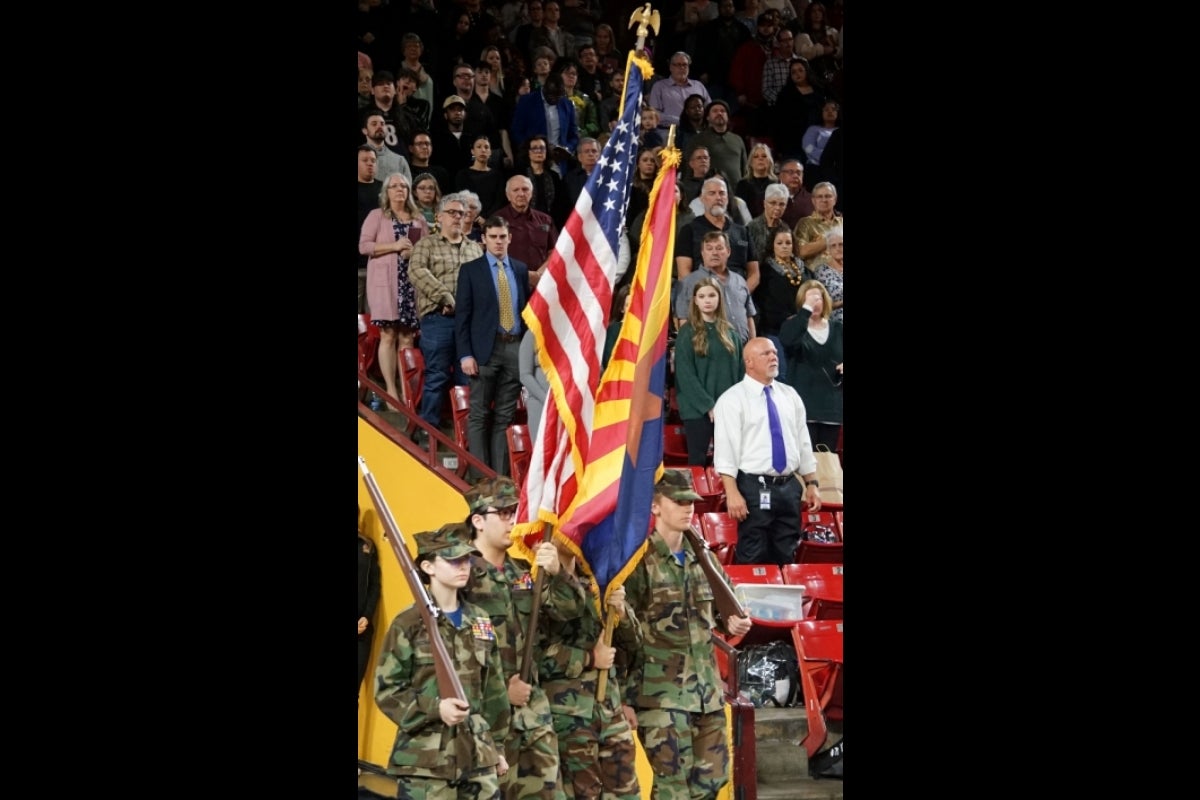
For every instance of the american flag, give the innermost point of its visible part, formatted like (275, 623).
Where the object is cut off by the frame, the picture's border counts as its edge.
(568, 314)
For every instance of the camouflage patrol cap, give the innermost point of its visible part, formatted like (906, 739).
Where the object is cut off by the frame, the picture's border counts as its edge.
(676, 484)
(500, 492)
(449, 541)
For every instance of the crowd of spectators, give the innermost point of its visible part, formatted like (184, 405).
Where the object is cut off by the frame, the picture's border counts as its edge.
(465, 95)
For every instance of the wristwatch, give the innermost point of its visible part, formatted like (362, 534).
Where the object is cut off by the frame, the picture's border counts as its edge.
(813, 482)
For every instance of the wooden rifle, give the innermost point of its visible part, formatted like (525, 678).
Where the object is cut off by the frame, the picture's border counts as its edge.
(723, 596)
(447, 678)
(531, 634)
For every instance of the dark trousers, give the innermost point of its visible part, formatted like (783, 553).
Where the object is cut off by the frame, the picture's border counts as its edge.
(494, 393)
(699, 434)
(769, 536)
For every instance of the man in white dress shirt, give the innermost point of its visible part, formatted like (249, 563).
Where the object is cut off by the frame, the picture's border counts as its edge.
(761, 487)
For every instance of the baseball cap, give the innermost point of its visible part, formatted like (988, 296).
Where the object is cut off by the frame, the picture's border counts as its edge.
(500, 492)
(676, 484)
(452, 99)
(448, 541)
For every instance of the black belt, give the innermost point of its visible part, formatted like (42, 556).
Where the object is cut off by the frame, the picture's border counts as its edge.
(507, 338)
(775, 480)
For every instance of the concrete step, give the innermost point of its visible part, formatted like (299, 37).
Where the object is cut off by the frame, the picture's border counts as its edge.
(781, 760)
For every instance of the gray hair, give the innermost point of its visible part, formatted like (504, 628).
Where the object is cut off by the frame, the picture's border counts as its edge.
(776, 191)
(833, 233)
(825, 185)
(453, 197)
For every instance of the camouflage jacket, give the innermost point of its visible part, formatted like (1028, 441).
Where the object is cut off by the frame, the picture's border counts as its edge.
(507, 595)
(676, 667)
(406, 691)
(570, 688)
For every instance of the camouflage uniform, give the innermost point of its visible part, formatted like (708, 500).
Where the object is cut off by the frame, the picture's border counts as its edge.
(595, 742)
(673, 681)
(507, 595)
(433, 761)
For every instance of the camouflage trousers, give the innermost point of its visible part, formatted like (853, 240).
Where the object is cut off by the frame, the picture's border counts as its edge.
(533, 772)
(483, 785)
(687, 752)
(598, 756)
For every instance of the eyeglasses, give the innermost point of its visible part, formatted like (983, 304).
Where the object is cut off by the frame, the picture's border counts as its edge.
(454, 212)
(465, 75)
(506, 513)
(680, 64)
(537, 149)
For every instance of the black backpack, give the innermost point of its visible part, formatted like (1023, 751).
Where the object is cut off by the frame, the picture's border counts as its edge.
(769, 674)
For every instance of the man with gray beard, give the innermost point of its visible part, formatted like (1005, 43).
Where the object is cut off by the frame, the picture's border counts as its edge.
(714, 196)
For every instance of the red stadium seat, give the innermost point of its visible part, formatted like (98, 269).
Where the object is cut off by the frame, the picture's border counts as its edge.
(675, 452)
(712, 499)
(717, 486)
(754, 573)
(720, 531)
(519, 452)
(460, 409)
(819, 652)
(822, 588)
(819, 553)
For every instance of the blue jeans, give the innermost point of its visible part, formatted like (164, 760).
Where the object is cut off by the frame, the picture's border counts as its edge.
(441, 363)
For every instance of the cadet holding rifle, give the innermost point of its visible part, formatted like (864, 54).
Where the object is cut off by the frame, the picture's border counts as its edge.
(444, 741)
(673, 681)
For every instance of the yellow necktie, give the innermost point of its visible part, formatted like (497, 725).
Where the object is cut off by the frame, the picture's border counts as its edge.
(506, 313)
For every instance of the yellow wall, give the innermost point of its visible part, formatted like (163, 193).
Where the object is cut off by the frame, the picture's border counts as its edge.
(419, 501)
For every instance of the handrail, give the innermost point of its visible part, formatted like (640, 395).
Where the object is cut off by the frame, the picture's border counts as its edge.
(427, 454)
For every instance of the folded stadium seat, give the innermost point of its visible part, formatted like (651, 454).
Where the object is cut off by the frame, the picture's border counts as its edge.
(460, 409)
(675, 452)
(754, 573)
(521, 417)
(717, 485)
(412, 378)
(819, 539)
(822, 588)
(810, 552)
(720, 531)
(819, 653)
(820, 522)
(837, 518)
(519, 452)
(711, 498)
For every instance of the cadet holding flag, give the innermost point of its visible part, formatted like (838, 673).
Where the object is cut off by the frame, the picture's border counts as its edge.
(595, 734)
(504, 587)
(673, 681)
(444, 742)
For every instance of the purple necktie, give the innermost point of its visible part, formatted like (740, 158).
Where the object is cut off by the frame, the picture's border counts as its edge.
(778, 451)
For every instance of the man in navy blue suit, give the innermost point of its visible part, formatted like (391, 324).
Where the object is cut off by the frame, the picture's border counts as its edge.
(491, 293)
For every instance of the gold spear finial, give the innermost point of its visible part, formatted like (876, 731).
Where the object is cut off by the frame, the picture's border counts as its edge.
(645, 19)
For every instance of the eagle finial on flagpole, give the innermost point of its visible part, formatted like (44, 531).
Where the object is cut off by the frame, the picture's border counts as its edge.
(645, 19)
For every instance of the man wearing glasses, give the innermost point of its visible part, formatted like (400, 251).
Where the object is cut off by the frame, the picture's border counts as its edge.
(504, 587)
(433, 269)
(800, 203)
(669, 95)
